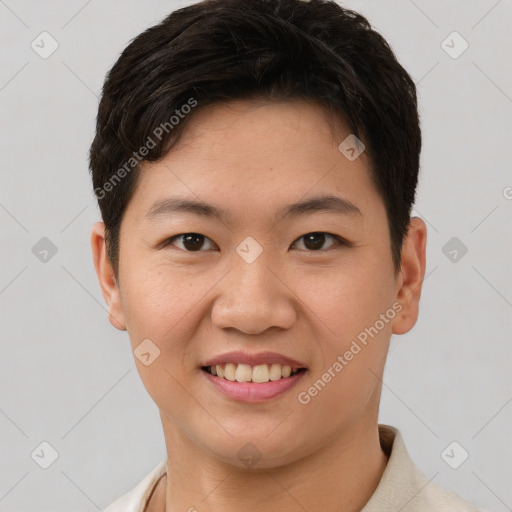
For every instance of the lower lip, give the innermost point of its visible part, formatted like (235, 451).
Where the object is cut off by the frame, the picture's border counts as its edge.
(253, 392)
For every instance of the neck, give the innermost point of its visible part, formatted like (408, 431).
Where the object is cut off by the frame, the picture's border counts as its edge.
(341, 476)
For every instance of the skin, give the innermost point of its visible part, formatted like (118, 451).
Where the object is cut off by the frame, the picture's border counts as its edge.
(253, 158)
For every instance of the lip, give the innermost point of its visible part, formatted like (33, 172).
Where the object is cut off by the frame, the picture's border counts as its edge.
(253, 392)
(254, 359)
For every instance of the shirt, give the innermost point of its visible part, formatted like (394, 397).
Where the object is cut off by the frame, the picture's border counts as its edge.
(402, 486)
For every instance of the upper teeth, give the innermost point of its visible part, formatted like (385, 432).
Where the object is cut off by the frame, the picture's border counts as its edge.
(248, 373)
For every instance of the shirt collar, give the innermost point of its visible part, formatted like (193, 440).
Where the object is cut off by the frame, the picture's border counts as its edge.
(401, 483)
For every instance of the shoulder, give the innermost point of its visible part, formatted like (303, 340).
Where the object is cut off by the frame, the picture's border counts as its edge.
(405, 487)
(442, 500)
(136, 499)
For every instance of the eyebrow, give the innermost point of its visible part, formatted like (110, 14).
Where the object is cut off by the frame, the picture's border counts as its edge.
(319, 204)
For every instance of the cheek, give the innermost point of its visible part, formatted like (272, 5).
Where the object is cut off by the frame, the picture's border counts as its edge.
(354, 315)
(346, 299)
(160, 303)
(163, 305)
(158, 290)
(353, 347)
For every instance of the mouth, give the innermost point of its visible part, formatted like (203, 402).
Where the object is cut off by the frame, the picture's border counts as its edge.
(252, 384)
(261, 373)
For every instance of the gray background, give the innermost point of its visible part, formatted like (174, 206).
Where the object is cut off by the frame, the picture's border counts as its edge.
(68, 377)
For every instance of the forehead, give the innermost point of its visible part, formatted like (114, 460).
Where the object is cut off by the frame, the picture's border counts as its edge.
(278, 127)
(253, 154)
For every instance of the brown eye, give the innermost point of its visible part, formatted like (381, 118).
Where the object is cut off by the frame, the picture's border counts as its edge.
(314, 241)
(190, 242)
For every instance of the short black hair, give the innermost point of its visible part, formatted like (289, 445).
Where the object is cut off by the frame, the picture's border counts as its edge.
(221, 50)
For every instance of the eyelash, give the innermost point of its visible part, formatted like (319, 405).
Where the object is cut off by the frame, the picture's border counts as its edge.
(340, 241)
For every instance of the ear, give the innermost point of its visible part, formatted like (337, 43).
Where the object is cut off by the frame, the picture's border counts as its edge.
(411, 275)
(106, 277)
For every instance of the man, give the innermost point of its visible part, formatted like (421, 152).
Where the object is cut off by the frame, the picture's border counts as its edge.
(256, 163)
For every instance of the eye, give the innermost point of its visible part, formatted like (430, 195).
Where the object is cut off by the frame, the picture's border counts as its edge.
(190, 242)
(314, 241)
(195, 242)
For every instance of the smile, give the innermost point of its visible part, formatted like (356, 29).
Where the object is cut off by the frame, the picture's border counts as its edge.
(260, 373)
(252, 384)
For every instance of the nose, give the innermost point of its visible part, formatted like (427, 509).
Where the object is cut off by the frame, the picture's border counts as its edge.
(254, 297)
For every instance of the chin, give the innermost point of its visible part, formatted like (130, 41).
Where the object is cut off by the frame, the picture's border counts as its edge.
(263, 450)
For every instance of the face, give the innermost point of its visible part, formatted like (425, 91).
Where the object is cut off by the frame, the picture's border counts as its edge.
(287, 264)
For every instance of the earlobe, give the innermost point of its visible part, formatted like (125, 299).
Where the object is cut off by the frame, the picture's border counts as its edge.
(411, 275)
(106, 277)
